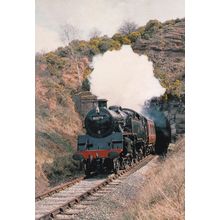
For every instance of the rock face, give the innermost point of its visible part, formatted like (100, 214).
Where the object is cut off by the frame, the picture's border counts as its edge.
(57, 121)
(164, 44)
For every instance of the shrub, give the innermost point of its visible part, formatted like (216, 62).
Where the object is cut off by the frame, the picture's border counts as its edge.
(63, 52)
(126, 40)
(84, 48)
(151, 27)
(86, 85)
(133, 36)
(54, 63)
(55, 60)
(63, 168)
(87, 72)
(115, 45)
(170, 22)
(141, 30)
(92, 50)
(117, 37)
(94, 42)
(106, 44)
(58, 140)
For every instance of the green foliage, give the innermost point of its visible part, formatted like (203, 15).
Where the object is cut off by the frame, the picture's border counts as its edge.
(85, 48)
(63, 52)
(170, 22)
(54, 63)
(106, 44)
(53, 59)
(63, 168)
(117, 37)
(87, 72)
(133, 36)
(115, 45)
(174, 87)
(151, 27)
(58, 140)
(94, 42)
(86, 85)
(126, 40)
(141, 30)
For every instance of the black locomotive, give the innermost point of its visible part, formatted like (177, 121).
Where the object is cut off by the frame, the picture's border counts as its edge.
(115, 137)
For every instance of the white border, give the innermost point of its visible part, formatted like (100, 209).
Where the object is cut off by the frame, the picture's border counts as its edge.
(202, 110)
(17, 92)
(17, 109)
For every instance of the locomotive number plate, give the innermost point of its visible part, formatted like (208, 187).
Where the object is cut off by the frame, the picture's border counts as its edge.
(96, 118)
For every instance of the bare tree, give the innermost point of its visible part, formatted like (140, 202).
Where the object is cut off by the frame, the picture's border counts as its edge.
(127, 27)
(94, 33)
(68, 33)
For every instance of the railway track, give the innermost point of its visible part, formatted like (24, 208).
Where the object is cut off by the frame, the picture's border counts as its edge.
(71, 198)
(59, 188)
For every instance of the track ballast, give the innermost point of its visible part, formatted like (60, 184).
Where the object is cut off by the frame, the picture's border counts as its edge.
(66, 201)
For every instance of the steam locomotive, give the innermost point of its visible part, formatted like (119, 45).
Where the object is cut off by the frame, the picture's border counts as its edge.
(116, 137)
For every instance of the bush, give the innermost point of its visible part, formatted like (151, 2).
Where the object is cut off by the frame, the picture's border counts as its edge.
(104, 46)
(94, 42)
(63, 52)
(117, 37)
(133, 36)
(62, 169)
(92, 50)
(141, 30)
(108, 44)
(86, 85)
(87, 72)
(58, 140)
(54, 63)
(170, 22)
(53, 59)
(115, 45)
(84, 48)
(126, 40)
(151, 27)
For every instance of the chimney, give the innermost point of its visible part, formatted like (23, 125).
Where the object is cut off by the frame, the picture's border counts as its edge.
(102, 103)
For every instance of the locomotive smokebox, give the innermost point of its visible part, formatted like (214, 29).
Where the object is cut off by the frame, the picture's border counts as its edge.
(102, 103)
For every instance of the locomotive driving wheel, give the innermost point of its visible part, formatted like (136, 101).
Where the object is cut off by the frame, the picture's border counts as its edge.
(116, 166)
(88, 166)
(87, 170)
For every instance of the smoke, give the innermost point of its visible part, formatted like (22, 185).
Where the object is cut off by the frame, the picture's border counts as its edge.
(124, 78)
(153, 112)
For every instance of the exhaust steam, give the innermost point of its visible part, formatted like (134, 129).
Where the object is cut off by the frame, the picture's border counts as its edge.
(124, 78)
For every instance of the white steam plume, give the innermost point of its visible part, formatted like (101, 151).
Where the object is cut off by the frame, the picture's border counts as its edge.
(124, 78)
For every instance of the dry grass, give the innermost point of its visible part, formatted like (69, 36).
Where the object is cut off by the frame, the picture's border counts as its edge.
(163, 195)
(57, 122)
(62, 169)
